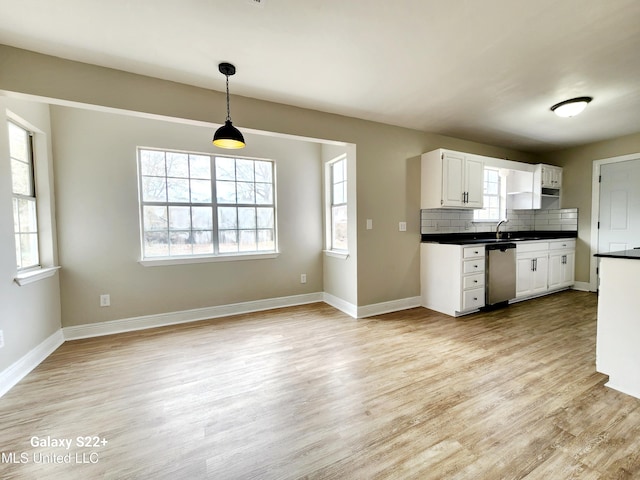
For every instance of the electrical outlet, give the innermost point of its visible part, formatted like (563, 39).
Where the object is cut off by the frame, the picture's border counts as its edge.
(402, 226)
(369, 224)
(105, 300)
(1, 339)
(303, 278)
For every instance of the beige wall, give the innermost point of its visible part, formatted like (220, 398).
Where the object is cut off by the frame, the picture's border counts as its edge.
(31, 313)
(98, 210)
(387, 179)
(577, 186)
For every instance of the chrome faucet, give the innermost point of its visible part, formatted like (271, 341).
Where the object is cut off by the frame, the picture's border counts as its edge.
(498, 227)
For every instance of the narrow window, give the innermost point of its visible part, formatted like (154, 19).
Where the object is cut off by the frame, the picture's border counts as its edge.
(338, 203)
(493, 201)
(25, 218)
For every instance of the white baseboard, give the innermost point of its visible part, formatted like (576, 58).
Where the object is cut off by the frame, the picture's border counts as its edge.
(342, 305)
(388, 307)
(582, 286)
(19, 369)
(185, 316)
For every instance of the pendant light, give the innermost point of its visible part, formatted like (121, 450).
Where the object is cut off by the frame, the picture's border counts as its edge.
(571, 108)
(228, 136)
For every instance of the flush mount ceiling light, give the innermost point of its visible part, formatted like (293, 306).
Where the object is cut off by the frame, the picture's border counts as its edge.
(571, 108)
(228, 136)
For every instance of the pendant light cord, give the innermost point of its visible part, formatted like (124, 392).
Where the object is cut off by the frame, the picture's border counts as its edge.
(228, 110)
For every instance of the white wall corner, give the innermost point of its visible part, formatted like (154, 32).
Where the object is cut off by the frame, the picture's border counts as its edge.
(388, 307)
(21, 368)
(342, 305)
(582, 286)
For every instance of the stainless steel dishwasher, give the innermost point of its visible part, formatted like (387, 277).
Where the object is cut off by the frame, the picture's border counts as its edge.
(501, 273)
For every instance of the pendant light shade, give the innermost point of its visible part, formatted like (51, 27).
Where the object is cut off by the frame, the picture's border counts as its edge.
(228, 136)
(571, 108)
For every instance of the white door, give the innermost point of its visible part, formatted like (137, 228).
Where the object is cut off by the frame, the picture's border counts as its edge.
(474, 182)
(619, 215)
(452, 180)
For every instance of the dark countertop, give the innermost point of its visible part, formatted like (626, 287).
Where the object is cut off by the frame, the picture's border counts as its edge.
(633, 254)
(489, 237)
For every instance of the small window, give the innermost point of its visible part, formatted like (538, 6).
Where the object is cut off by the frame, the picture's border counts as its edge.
(338, 204)
(493, 201)
(202, 205)
(25, 218)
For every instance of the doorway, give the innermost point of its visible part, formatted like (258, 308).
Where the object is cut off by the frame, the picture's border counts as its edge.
(615, 213)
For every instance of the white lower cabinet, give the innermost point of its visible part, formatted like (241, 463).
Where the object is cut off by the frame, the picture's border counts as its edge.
(544, 266)
(452, 277)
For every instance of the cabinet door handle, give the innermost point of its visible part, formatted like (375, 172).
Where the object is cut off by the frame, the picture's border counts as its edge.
(475, 298)
(476, 252)
(475, 281)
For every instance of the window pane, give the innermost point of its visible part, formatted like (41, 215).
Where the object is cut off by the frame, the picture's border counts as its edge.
(491, 188)
(177, 165)
(227, 218)
(21, 178)
(248, 241)
(201, 191)
(155, 218)
(156, 244)
(265, 217)
(246, 192)
(266, 240)
(339, 227)
(226, 192)
(154, 189)
(228, 241)
(28, 250)
(200, 166)
(202, 242)
(179, 243)
(338, 193)
(18, 143)
(27, 219)
(152, 163)
(225, 168)
(264, 193)
(264, 172)
(247, 217)
(337, 171)
(244, 170)
(178, 190)
(201, 218)
(179, 218)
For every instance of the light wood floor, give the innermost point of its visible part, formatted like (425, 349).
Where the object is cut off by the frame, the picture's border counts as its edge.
(307, 392)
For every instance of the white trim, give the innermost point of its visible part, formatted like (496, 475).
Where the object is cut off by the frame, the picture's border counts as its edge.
(163, 319)
(582, 286)
(342, 305)
(387, 307)
(15, 372)
(595, 210)
(164, 261)
(25, 278)
(336, 254)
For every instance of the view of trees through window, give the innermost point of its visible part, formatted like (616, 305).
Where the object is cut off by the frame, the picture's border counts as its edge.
(196, 204)
(25, 218)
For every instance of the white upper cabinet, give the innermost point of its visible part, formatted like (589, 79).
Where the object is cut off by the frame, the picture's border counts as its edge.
(551, 176)
(452, 179)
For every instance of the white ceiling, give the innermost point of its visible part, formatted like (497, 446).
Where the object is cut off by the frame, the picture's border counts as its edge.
(483, 70)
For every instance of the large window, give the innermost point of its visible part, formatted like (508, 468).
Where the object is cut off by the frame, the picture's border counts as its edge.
(338, 204)
(25, 218)
(203, 205)
(492, 201)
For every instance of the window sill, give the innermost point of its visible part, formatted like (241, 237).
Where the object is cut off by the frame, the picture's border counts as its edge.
(336, 254)
(25, 278)
(165, 261)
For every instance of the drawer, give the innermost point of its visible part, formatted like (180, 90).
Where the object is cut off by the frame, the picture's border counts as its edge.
(473, 299)
(473, 266)
(567, 244)
(471, 252)
(522, 247)
(473, 281)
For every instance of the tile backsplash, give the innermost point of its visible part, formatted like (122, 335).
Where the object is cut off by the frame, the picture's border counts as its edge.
(447, 220)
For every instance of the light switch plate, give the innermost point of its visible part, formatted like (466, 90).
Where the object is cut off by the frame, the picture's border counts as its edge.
(402, 226)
